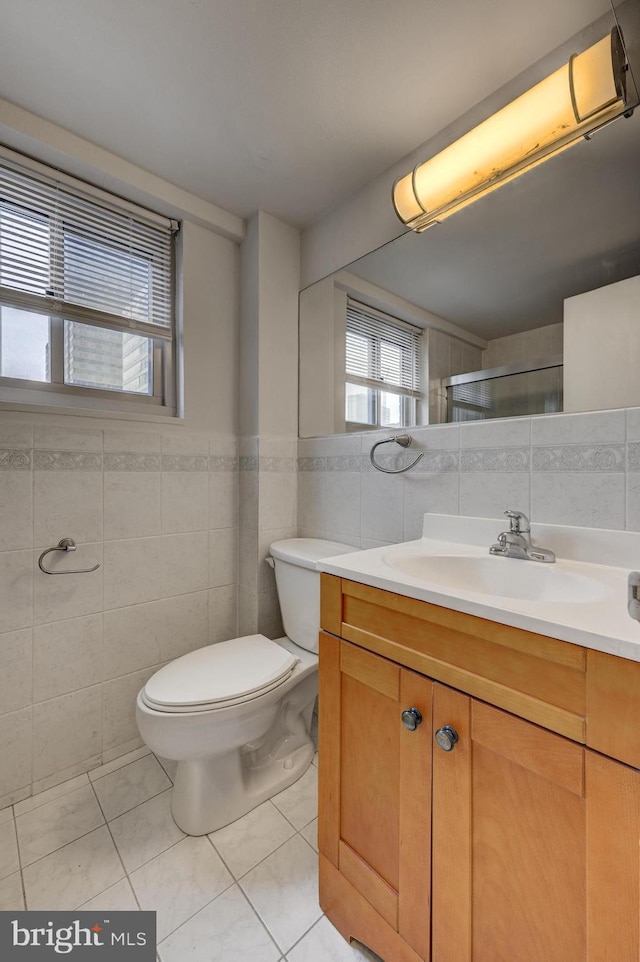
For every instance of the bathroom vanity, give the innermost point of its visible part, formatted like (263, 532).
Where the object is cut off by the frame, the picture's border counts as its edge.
(479, 783)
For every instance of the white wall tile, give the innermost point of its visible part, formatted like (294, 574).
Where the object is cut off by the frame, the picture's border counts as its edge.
(67, 504)
(223, 499)
(14, 434)
(605, 427)
(184, 563)
(580, 498)
(67, 655)
(381, 506)
(66, 731)
(119, 708)
(633, 424)
(16, 674)
(131, 639)
(16, 589)
(180, 443)
(183, 624)
(15, 751)
(132, 504)
(47, 438)
(223, 613)
(223, 557)
(434, 493)
(16, 510)
(131, 572)
(487, 494)
(185, 501)
(510, 432)
(56, 598)
(131, 442)
(269, 614)
(633, 502)
(278, 494)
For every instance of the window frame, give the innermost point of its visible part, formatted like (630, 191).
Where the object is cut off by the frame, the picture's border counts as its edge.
(411, 398)
(164, 399)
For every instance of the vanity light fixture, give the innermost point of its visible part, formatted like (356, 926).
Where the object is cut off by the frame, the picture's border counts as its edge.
(584, 94)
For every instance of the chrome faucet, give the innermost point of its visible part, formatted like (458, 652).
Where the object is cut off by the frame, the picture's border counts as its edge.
(516, 542)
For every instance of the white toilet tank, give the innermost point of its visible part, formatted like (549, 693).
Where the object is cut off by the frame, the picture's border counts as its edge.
(298, 583)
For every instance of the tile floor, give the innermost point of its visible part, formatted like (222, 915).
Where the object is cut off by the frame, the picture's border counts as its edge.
(107, 841)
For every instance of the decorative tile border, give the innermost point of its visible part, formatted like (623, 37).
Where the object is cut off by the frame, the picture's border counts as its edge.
(633, 456)
(346, 462)
(12, 460)
(248, 463)
(432, 462)
(219, 463)
(495, 459)
(66, 461)
(185, 462)
(579, 457)
(131, 462)
(279, 465)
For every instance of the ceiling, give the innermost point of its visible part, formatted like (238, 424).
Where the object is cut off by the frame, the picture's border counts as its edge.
(288, 106)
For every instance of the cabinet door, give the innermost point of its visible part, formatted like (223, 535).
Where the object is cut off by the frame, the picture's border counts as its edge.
(375, 800)
(535, 843)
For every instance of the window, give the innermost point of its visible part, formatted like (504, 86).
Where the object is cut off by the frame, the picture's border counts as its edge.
(382, 369)
(86, 295)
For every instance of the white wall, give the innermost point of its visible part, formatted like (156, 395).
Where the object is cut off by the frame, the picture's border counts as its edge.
(602, 347)
(268, 412)
(154, 501)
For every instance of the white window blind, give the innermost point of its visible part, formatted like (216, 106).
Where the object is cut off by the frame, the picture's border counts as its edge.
(65, 253)
(382, 352)
(87, 294)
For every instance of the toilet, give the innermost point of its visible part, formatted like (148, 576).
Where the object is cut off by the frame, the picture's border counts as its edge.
(236, 716)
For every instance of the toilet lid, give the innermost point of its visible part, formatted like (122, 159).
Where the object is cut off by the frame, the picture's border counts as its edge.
(220, 675)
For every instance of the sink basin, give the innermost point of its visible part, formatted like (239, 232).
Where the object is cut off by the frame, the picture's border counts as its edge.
(500, 577)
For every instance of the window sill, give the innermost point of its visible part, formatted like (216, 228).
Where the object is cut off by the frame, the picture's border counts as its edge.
(128, 412)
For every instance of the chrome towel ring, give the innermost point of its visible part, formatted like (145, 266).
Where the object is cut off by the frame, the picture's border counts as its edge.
(67, 544)
(404, 440)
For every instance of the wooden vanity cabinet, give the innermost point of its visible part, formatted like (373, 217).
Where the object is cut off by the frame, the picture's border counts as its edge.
(519, 844)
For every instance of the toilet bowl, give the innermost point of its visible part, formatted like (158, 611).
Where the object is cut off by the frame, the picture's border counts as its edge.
(236, 716)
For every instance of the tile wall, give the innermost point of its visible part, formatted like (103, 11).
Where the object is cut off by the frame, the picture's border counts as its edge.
(159, 514)
(578, 469)
(268, 493)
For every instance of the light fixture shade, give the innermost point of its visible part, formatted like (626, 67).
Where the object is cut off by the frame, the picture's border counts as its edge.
(582, 95)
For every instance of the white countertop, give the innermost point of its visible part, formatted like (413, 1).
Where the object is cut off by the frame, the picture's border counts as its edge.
(600, 621)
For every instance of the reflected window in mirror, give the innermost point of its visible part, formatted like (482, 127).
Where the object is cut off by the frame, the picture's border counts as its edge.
(383, 370)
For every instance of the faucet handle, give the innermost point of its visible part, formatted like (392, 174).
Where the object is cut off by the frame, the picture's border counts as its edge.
(519, 523)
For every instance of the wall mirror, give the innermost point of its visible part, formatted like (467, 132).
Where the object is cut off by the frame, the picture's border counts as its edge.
(494, 287)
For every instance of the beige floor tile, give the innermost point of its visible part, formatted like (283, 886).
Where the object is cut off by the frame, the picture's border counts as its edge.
(180, 882)
(68, 877)
(283, 890)
(251, 838)
(225, 929)
(299, 802)
(145, 831)
(57, 823)
(130, 786)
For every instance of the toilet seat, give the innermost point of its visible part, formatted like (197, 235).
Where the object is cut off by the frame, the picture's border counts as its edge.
(220, 675)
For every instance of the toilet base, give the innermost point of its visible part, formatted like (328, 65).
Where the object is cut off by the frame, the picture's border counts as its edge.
(202, 800)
